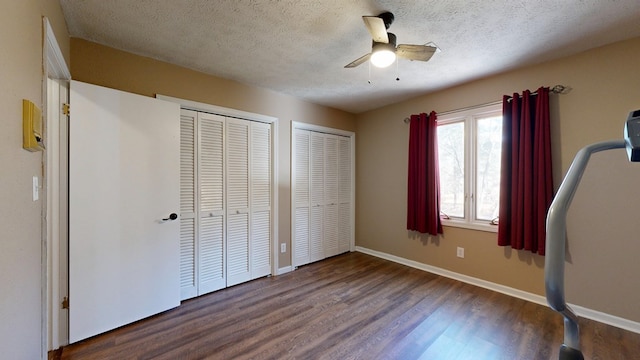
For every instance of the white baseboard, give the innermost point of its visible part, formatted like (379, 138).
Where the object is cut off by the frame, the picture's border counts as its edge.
(605, 318)
(598, 316)
(284, 270)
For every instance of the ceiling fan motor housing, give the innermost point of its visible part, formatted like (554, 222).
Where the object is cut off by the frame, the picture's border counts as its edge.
(388, 18)
(391, 46)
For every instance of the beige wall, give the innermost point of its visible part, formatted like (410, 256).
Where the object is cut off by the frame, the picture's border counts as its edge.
(603, 242)
(97, 64)
(20, 217)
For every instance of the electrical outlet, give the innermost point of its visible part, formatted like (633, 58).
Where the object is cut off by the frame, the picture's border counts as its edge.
(283, 248)
(460, 252)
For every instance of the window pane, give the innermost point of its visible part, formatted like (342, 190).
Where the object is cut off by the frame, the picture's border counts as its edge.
(489, 143)
(451, 159)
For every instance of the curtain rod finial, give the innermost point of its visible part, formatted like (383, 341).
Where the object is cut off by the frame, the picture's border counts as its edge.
(561, 89)
(407, 120)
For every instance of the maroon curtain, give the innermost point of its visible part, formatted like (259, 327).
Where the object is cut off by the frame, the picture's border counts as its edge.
(423, 196)
(526, 183)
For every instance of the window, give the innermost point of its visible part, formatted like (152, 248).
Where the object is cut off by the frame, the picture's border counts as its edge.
(469, 150)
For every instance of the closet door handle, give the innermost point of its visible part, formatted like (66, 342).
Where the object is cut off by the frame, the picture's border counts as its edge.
(172, 216)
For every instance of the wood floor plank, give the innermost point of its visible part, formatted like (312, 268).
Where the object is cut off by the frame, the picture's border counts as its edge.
(353, 306)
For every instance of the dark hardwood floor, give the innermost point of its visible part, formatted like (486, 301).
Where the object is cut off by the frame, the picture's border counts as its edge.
(354, 306)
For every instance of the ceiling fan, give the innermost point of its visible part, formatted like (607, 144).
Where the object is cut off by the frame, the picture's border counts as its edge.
(384, 50)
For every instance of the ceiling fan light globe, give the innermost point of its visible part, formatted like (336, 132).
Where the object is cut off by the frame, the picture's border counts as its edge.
(383, 58)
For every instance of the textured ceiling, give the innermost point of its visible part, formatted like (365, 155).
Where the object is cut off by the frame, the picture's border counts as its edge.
(300, 47)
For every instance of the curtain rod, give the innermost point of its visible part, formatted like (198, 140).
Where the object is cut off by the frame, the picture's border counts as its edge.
(557, 89)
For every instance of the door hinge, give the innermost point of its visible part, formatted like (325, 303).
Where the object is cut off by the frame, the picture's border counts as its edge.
(65, 109)
(65, 302)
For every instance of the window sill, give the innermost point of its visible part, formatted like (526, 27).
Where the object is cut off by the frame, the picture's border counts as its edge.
(465, 225)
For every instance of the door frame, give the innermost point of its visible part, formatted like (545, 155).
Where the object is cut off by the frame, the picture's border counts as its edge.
(54, 239)
(274, 122)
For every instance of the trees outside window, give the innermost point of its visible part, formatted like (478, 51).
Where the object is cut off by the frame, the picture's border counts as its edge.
(469, 149)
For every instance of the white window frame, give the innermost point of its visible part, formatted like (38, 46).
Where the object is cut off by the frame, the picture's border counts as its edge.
(469, 117)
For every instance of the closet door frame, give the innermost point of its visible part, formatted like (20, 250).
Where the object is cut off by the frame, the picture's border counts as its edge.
(295, 125)
(273, 122)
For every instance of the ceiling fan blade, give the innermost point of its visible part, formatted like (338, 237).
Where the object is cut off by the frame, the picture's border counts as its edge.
(415, 52)
(376, 28)
(358, 61)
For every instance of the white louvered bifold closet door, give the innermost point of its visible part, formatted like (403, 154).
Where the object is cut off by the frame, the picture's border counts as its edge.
(300, 236)
(238, 263)
(211, 249)
(316, 221)
(345, 230)
(330, 195)
(202, 262)
(260, 201)
(226, 201)
(322, 191)
(188, 171)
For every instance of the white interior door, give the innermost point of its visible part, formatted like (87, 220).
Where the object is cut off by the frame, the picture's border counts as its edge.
(123, 181)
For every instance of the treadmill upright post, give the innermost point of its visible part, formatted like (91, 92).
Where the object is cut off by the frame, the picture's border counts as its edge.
(555, 246)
